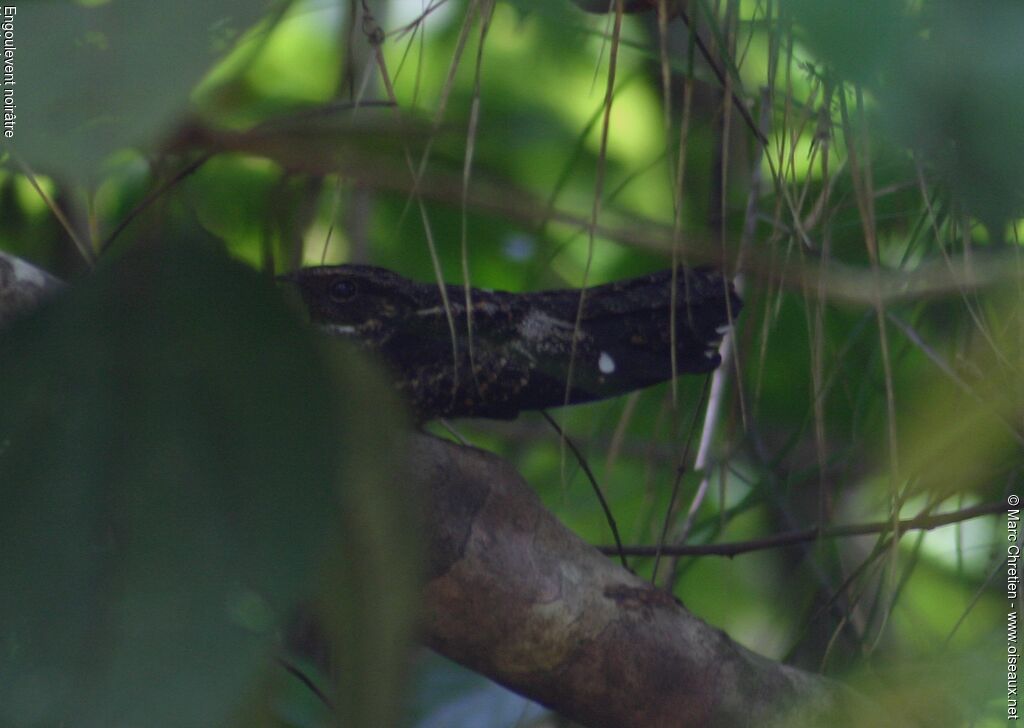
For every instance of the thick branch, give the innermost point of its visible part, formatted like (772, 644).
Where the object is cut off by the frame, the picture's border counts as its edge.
(516, 596)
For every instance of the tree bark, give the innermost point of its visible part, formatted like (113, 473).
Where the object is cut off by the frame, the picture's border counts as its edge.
(22, 287)
(516, 596)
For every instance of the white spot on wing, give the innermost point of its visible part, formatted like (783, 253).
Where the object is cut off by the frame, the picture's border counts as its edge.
(723, 329)
(605, 363)
(710, 353)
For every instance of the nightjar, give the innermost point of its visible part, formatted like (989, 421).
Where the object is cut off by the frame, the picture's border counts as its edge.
(518, 353)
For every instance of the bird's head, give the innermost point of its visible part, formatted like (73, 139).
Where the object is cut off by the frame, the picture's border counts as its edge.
(355, 300)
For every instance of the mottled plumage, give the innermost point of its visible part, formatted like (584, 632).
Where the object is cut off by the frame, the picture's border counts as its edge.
(521, 342)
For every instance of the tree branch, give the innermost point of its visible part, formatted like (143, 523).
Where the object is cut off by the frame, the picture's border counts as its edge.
(22, 287)
(920, 523)
(516, 596)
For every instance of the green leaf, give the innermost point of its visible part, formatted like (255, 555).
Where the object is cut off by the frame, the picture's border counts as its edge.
(170, 451)
(97, 77)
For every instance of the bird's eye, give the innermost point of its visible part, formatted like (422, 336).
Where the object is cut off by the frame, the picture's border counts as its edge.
(342, 291)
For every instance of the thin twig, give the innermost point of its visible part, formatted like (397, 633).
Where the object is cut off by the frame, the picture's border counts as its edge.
(450, 428)
(486, 11)
(813, 533)
(305, 680)
(375, 36)
(595, 211)
(680, 471)
(720, 75)
(83, 248)
(152, 196)
(948, 370)
(593, 481)
(974, 601)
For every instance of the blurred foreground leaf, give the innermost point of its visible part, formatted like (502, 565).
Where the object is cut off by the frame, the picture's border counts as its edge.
(947, 79)
(171, 451)
(96, 77)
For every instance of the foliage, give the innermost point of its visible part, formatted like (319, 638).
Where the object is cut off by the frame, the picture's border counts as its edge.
(877, 369)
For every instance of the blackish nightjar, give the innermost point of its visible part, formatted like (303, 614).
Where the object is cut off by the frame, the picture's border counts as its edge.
(521, 342)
